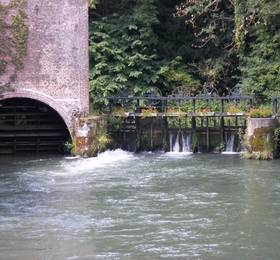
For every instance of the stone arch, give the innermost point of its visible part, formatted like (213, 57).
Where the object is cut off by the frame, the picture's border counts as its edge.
(44, 99)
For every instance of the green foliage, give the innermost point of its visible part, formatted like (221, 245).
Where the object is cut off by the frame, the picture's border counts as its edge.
(180, 45)
(276, 134)
(211, 24)
(100, 144)
(93, 3)
(125, 56)
(260, 59)
(265, 155)
(175, 75)
(114, 123)
(122, 54)
(260, 112)
(260, 147)
(69, 147)
(260, 66)
(246, 36)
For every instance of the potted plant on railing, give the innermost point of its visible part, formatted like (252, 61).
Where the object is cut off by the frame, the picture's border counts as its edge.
(234, 110)
(260, 112)
(205, 112)
(149, 111)
(120, 112)
(175, 111)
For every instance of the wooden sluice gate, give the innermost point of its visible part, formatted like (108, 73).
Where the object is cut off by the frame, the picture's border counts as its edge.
(29, 126)
(178, 123)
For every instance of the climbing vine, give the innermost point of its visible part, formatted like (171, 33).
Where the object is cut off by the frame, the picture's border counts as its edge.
(92, 3)
(13, 38)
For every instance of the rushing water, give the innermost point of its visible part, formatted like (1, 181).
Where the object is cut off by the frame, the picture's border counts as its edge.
(147, 206)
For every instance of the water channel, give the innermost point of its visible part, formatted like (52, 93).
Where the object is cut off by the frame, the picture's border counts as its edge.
(146, 206)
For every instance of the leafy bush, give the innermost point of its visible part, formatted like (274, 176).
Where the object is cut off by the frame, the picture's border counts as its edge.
(233, 109)
(276, 134)
(266, 155)
(124, 54)
(100, 144)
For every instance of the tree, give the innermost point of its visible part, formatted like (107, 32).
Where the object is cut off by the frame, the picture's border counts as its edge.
(260, 56)
(181, 45)
(211, 24)
(126, 54)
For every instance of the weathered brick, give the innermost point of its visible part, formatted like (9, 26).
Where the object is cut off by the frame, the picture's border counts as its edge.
(56, 65)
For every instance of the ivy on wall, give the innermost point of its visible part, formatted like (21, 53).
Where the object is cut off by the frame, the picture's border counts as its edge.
(92, 3)
(13, 38)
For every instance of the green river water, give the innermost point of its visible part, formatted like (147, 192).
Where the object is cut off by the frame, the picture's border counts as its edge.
(146, 206)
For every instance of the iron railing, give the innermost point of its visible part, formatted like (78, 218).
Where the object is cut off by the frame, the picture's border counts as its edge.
(192, 105)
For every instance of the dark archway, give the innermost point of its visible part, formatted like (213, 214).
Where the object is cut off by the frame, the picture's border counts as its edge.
(30, 126)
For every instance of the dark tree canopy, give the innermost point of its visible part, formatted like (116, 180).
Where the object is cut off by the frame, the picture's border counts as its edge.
(176, 45)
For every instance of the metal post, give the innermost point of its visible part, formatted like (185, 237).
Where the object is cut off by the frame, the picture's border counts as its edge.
(251, 103)
(222, 122)
(193, 133)
(193, 105)
(110, 106)
(222, 130)
(207, 134)
(151, 135)
(166, 145)
(138, 106)
(138, 134)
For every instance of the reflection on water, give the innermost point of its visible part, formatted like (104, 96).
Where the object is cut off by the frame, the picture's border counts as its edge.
(147, 206)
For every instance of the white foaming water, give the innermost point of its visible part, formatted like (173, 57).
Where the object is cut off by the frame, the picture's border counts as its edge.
(72, 157)
(230, 145)
(177, 154)
(106, 159)
(230, 152)
(176, 146)
(187, 143)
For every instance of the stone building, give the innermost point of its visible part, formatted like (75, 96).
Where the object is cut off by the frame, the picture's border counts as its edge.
(53, 77)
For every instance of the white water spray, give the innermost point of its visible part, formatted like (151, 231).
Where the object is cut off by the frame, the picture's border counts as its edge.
(186, 142)
(106, 159)
(230, 149)
(176, 146)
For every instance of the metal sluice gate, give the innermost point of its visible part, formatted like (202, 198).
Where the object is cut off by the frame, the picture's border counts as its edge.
(30, 126)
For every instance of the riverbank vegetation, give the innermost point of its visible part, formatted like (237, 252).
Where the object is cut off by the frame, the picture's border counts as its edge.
(188, 48)
(184, 46)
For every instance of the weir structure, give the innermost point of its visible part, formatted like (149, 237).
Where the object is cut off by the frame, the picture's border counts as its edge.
(179, 123)
(203, 123)
(42, 99)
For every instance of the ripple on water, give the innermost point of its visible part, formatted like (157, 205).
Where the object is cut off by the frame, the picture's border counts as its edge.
(146, 206)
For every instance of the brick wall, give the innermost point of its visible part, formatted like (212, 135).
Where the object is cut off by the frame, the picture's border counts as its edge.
(56, 65)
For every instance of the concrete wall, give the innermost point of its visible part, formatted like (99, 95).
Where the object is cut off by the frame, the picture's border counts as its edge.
(56, 65)
(257, 123)
(261, 143)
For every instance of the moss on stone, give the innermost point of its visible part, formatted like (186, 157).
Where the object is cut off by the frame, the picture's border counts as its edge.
(265, 155)
(95, 141)
(13, 36)
(261, 145)
(261, 140)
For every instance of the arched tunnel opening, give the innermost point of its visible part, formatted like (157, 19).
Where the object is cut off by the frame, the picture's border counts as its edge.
(29, 126)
